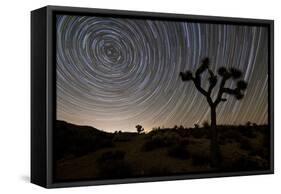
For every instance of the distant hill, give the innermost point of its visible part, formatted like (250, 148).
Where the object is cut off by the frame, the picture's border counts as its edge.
(77, 140)
(63, 125)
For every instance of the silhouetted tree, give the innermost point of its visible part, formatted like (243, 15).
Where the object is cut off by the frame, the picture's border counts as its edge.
(139, 129)
(225, 74)
(196, 126)
(248, 123)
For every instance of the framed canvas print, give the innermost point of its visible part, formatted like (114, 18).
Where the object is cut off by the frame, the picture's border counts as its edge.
(123, 96)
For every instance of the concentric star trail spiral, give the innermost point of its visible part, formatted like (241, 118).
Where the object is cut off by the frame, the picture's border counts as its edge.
(115, 73)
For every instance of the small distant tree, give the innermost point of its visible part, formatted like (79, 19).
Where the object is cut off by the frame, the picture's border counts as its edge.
(181, 127)
(237, 92)
(248, 124)
(196, 126)
(140, 129)
(175, 127)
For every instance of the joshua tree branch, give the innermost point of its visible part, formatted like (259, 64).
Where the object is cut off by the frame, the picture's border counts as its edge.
(212, 81)
(221, 91)
(197, 83)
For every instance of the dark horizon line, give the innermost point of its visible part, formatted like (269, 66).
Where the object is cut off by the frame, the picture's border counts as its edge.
(160, 128)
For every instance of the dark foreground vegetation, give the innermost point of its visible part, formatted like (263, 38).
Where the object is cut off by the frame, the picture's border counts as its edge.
(82, 152)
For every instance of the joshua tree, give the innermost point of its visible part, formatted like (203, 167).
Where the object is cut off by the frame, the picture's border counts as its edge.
(139, 129)
(225, 74)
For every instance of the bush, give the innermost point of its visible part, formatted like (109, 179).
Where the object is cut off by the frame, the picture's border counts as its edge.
(261, 152)
(241, 161)
(178, 151)
(200, 133)
(123, 137)
(247, 163)
(245, 144)
(160, 140)
(154, 143)
(231, 134)
(112, 164)
(181, 127)
(200, 158)
(249, 132)
(111, 156)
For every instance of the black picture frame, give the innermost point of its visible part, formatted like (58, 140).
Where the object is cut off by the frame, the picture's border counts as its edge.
(43, 90)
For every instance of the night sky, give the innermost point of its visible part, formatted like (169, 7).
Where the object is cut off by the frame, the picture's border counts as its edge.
(115, 73)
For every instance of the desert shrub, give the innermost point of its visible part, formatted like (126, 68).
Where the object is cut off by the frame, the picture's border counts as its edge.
(261, 152)
(247, 163)
(231, 134)
(223, 141)
(200, 133)
(154, 131)
(153, 143)
(112, 164)
(248, 123)
(156, 128)
(200, 158)
(123, 137)
(111, 155)
(181, 127)
(117, 169)
(160, 140)
(245, 144)
(241, 161)
(184, 141)
(266, 138)
(248, 132)
(178, 151)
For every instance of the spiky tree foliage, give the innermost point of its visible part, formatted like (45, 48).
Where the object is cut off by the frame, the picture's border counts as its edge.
(140, 129)
(237, 92)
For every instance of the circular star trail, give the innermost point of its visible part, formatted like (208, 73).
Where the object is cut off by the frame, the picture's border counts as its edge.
(115, 73)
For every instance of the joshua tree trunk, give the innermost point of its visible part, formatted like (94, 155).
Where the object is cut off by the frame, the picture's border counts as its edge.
(214, 148)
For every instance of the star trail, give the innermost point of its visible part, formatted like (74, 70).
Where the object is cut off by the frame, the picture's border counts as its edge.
(115, 73)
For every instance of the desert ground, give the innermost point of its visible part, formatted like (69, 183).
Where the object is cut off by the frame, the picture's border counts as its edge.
(86, 153)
